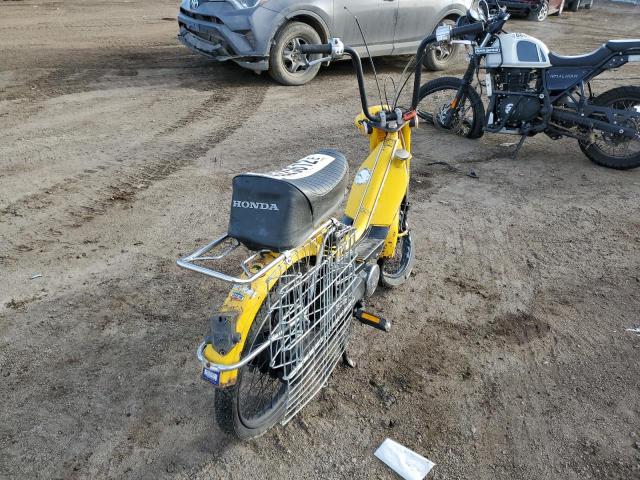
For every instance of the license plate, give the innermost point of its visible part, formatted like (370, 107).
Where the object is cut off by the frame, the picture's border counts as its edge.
(211, 376)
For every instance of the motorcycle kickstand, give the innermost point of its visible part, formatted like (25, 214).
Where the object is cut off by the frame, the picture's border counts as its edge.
(347, 361)
(517, 150)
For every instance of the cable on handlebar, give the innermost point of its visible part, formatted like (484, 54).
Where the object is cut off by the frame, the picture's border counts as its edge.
(455, 32)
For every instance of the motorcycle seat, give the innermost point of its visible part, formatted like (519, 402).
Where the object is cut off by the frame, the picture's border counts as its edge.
(279, 210)
(587, 60)
(623, 45)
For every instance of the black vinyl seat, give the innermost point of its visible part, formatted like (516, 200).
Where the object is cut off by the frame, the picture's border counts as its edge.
(623, 45)
(587, 60)
(279, 210)
(597, 56)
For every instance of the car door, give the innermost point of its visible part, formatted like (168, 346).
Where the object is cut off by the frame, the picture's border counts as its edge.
(416, 20)
(377, 19)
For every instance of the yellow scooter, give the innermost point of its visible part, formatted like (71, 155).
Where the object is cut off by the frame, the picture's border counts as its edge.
(303, 275)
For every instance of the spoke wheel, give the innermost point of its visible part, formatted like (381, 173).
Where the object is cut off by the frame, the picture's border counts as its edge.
(260, 390)
(435, 107)
(257, 401)
(614, 150)
(394, 271)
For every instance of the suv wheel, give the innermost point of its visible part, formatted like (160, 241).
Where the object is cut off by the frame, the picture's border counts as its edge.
(286, 65)
(440, 56)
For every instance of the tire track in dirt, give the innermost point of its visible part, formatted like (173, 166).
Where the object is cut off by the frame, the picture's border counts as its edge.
(83, 72)
(119, 183)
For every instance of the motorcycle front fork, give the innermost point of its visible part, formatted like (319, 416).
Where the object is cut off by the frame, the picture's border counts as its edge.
(461, 94)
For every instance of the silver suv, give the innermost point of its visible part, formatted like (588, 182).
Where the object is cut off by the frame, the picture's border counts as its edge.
(263, 34)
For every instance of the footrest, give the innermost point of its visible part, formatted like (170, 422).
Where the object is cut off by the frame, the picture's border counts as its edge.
(372, 244)
(372, 320)
(367, 248)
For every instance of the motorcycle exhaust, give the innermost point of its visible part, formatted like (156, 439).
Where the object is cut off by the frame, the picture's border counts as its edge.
(565, 116)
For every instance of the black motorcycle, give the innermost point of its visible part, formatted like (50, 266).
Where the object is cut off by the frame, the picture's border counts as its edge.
(531, 90)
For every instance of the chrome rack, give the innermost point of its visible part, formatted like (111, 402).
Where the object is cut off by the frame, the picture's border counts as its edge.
(200, 255)
(227, 245)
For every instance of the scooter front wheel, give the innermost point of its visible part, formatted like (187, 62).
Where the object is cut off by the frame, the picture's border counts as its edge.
(394, 271)
(258, 399)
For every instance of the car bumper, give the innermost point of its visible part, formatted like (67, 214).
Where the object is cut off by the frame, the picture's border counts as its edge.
(520, 7)
(222, 33)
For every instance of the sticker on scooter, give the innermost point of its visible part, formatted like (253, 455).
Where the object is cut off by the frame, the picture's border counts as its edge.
(305, 167)
(363, 176)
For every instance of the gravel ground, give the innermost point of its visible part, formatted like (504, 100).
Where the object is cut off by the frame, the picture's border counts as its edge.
(508, 358)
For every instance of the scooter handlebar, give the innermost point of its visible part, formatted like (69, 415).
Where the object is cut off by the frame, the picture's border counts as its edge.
(325, 48)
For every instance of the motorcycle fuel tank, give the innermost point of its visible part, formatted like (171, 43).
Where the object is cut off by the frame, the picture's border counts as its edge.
(518, 50)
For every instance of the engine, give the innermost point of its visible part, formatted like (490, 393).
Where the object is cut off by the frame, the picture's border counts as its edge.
(515, 98)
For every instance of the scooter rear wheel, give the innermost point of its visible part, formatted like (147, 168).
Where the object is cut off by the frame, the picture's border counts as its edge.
(258, 399)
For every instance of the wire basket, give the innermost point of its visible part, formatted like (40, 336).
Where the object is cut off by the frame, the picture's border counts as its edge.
(310, 313)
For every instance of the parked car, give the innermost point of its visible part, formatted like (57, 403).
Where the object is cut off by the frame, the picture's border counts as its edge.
(536, 10)
(262, 34)
(575, 5)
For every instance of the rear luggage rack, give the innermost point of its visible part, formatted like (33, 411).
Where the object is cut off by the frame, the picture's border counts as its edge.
(206, 259)
(203, 255)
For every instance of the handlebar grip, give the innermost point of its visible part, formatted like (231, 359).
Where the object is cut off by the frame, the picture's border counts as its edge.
(316, 48)
(472, 28)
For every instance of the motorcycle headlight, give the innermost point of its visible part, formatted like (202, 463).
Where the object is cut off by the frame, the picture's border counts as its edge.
(250, 3)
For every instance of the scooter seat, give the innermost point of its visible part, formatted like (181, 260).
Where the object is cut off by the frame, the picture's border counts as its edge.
(279, 210)
(587, 60)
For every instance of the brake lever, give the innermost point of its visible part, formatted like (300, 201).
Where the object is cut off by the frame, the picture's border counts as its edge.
(337, 50)
(319, 60)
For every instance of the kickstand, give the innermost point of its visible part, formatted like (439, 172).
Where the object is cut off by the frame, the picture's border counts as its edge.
(517, 150)
(347, 361)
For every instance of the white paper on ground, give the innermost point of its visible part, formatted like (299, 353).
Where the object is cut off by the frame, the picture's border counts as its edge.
(406, 463)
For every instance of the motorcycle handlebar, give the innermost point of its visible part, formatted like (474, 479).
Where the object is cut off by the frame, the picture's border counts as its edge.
(327, 48)
(473, 28)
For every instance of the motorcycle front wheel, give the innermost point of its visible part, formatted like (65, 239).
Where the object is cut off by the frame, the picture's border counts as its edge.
(612, 150)
(436, 98)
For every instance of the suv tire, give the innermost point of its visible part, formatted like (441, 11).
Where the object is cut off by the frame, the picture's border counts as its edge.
(285, 65)
(439, 57)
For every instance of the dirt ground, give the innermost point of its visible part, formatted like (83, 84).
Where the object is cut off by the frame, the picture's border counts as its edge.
(508, 358)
